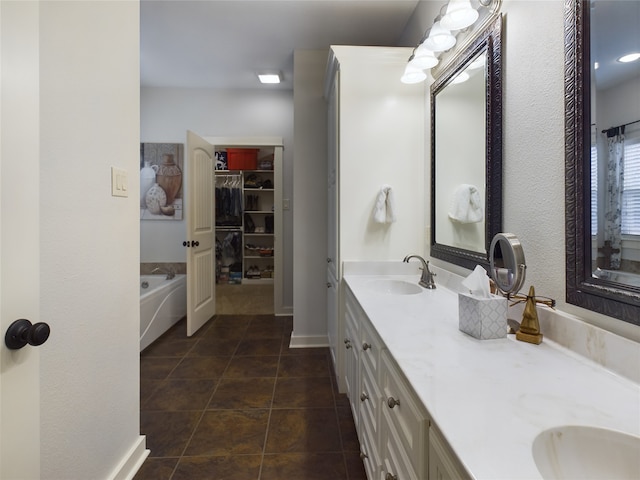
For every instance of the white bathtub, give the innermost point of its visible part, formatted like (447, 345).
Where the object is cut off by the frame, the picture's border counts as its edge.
(162, 304)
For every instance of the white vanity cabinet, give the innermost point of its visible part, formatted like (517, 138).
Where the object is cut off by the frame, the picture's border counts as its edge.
(392, 425)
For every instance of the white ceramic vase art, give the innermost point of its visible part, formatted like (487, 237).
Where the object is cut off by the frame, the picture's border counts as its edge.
(156, 199)
(147, 180)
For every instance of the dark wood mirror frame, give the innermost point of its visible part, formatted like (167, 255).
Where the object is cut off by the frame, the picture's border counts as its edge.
(489, 40)
(582, 289)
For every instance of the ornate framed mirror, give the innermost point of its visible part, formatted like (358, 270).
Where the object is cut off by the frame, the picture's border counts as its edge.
(466, 152)
(592, 280)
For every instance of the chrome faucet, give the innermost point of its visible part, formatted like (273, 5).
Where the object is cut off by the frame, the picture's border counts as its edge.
(426, 279)
(170, 273)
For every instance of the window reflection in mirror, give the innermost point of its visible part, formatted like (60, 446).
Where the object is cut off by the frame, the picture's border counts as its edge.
(615, 142)
(460, 139)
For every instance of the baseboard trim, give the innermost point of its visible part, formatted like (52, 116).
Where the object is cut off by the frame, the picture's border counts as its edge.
(284, 312)
(308, 341)
(132, 462)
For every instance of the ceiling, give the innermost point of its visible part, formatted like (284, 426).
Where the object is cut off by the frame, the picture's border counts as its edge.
(614, 32)
(224, 43)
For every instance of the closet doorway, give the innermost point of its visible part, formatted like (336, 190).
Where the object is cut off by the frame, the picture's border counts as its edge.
(248, 199)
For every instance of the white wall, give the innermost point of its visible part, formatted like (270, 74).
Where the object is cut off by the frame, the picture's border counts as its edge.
(381, 142)
(89, 121)
(167, 114)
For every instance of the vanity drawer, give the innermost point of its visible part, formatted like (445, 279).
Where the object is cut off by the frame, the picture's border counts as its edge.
(404, 412)
(370, 401)
(369, 453)
(396, 464)
(370, 347)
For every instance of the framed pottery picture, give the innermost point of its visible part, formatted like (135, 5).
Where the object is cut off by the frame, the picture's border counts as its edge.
(161, 167)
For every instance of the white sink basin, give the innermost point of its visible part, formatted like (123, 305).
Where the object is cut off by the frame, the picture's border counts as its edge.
(576, 452)
(391, 286)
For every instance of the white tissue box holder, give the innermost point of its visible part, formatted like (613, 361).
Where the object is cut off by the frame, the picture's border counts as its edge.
(483, 318)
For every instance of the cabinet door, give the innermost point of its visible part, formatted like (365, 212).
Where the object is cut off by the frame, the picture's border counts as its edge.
(332, 181)
(442, 463)
(407, 419)
(332, 321)
(369, 453)
(351, 361)
(396, 464)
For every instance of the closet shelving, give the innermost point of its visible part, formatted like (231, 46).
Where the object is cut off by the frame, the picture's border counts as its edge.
(255, 223)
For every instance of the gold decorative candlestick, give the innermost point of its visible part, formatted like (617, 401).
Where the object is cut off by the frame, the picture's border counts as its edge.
(530, 327)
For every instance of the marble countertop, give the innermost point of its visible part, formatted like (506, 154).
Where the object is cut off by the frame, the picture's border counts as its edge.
(491, 398)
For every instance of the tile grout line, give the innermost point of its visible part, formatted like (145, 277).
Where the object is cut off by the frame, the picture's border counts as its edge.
(273, 394)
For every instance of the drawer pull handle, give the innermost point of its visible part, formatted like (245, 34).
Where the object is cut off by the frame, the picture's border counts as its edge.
(392, 402)
(347, 345)
(363, 456)
(363, 397)
(390, 476)
(366, 346)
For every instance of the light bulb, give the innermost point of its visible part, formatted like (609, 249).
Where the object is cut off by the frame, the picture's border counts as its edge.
(440, 39)
(459, 15)
(413, 75)
(423, 58)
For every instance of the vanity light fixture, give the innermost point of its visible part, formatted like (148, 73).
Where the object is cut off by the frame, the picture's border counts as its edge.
(460, 14)
(413, 74)
(269, 77)
(630, 57)
(440, 39)
(423, 58)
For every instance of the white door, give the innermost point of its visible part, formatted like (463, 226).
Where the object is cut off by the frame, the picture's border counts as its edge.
(201, 255)
(19, 237)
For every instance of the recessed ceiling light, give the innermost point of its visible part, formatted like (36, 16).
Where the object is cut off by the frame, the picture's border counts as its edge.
(269, 77)
(631, 57)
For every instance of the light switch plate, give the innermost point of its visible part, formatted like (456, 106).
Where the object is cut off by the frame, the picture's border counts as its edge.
(286, 204)
(119, 187)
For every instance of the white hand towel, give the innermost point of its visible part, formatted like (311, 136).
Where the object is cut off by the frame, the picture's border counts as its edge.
(384, 208)
(467, 205)
(391, 205)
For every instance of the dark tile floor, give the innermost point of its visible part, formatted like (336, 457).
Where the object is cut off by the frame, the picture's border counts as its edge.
(234, 402)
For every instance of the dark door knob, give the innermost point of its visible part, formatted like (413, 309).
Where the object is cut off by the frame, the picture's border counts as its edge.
(22, 331)
(186, 244)
(195, 243)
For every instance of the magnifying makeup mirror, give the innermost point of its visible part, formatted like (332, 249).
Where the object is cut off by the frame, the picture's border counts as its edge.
(507, 264)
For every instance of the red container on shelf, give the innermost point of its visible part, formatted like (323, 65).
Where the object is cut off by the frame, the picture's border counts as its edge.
(242, 158)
